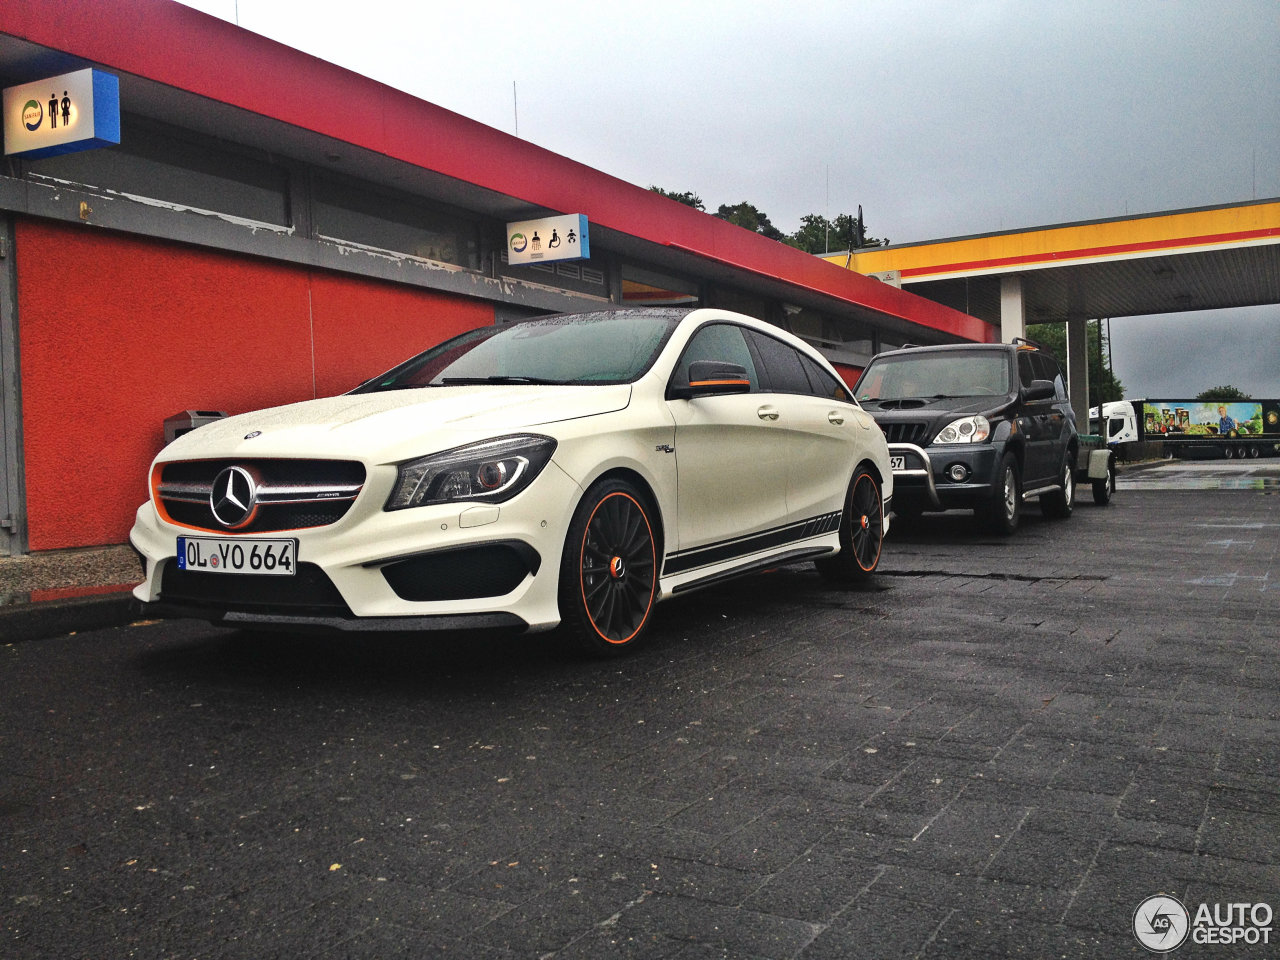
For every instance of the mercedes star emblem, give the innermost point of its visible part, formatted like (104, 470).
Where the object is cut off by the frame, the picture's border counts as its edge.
(234, 497)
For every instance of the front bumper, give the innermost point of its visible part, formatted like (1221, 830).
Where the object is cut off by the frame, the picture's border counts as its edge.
(441, 567)
(925, 482)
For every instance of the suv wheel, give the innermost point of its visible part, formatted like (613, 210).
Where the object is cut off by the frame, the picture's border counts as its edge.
(1005, 508)
(1058, 504)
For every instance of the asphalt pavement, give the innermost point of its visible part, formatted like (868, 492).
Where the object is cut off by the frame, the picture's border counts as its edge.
(998, 748)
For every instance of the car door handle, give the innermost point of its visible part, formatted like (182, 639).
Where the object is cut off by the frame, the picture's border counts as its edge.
(835, 417)
(767, 413)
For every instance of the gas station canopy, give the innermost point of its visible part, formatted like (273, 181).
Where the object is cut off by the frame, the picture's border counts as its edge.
(1197, 259)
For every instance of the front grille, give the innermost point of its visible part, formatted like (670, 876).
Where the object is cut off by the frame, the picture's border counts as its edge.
(308, 591)
(289, 494)
(917, 433)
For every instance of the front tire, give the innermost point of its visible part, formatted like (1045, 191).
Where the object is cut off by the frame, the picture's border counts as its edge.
(609, 569)
(1005, 509)
(861, 532)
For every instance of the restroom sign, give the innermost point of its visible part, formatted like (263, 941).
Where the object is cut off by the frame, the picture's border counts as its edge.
(551, 238)
(63, 114)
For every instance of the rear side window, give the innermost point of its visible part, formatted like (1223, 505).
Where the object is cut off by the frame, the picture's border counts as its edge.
(783, 370)
(824, 384)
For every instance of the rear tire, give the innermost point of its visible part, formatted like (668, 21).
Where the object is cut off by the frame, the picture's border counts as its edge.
(861, 532)
(1058, 504)
(1005, 509)
(609, 570)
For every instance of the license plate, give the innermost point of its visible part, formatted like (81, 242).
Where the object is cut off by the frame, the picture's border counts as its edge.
(225, 555)
(897, 463)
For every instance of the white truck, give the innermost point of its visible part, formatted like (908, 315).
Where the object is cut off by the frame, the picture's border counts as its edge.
(1190, 428)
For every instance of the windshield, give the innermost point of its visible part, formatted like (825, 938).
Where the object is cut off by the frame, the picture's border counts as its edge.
(935, 375)
(588, 348)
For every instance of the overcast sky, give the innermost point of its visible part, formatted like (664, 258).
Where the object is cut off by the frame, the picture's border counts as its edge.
(942, 118)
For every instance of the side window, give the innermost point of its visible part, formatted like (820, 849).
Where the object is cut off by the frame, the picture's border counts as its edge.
(1025, 372)
(822, 383)
(783, 370)
(717, 341)
(1047, 369)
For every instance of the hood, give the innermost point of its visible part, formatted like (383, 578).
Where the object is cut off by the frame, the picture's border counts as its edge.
(394, 424)
(931, 408)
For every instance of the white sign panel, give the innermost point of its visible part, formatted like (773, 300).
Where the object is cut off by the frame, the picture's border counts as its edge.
(892, 277)
(552, 238)
(75, 111)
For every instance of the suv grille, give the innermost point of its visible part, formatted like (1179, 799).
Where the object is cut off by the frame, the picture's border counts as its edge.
(917, 433)
(287, 494)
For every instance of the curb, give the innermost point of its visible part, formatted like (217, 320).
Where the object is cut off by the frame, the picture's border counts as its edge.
(51, 618)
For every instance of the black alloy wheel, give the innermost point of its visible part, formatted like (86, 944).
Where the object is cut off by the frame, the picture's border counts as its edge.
(861, 532)
(608, 574)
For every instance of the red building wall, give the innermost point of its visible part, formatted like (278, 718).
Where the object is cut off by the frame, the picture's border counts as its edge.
(118, 332)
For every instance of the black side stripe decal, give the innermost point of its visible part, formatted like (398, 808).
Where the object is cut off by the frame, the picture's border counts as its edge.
(743, 546)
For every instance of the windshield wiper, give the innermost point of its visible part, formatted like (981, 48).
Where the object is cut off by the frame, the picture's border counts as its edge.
(499, 379)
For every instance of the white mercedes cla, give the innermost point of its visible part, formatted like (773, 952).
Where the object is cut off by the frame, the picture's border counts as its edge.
(566, 470)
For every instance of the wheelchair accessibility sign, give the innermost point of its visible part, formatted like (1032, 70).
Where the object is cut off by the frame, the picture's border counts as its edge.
(551, 238)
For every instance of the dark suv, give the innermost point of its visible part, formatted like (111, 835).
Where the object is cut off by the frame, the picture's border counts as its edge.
(977, 426)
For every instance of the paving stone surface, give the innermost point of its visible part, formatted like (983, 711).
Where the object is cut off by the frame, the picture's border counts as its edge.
(999, 748)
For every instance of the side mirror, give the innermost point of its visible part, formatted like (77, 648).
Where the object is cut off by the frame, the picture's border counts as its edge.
(1038, 390)
(708, 378)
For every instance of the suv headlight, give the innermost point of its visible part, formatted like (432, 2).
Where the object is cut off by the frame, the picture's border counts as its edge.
(488, 472)
(965, 430)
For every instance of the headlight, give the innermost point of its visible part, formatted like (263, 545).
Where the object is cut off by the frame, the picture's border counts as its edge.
(965, 430)
(488, 472)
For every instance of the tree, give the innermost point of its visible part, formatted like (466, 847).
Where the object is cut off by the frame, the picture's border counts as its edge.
(818, 235)
(1103, 385)
(748, 217)
(1223, 393)
(688, 198)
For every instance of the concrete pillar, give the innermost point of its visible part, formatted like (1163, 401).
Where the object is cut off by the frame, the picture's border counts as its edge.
(1078, 370)
(1013, 309)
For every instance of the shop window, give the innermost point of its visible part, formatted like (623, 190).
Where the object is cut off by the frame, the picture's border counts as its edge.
(177, 167)
(578, 276)
(739, 302)
(398, 224)
(842, 339)
(647, 288)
